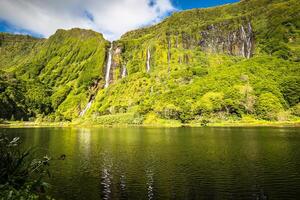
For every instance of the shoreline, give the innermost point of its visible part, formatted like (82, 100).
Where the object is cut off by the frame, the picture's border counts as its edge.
(235, 124)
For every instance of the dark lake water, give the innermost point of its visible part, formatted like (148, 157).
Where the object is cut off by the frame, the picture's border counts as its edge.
(170, 163)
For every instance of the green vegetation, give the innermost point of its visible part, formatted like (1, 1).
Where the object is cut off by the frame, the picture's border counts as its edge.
(21, 175)
(54, 78)
(223, 64)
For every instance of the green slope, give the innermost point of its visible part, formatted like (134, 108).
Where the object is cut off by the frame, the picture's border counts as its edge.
(196, 74)
(14, 49)
(214, 64)
(65, 66)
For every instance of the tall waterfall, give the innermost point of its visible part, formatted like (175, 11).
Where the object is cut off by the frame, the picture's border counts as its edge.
(107, 79)
(108, 66)
(247, 38)
(86, 107)
(148, 59)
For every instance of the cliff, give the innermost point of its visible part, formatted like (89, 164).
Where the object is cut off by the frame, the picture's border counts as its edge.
(203, 64)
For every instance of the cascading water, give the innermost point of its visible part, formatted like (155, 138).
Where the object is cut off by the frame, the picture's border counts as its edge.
(107, 79)
(86, 108)
(169, 54)
(247, 39)
(124, 71)
(244, 38)
(108, 66)
(250, 40)
(148, 59)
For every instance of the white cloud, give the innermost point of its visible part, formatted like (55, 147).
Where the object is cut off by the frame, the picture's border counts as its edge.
(111, 17)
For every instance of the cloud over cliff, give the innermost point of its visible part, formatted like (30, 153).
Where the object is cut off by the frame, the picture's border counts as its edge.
(111, 17)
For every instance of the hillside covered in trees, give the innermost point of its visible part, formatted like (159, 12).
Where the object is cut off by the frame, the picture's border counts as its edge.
(233, 62)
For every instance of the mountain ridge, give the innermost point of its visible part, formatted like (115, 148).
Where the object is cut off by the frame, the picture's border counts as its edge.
(210, 64)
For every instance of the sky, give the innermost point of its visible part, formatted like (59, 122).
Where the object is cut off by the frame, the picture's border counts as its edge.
(41, 18)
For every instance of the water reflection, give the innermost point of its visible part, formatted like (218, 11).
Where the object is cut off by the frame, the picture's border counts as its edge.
(106, 183)
(183, 163)
(84, 139)
(150, 183)
(123, 186)
(106, 177)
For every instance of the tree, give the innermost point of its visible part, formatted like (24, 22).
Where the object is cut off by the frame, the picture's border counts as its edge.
(168, 110)
(296, 110)
(248, 98)
(268, 106)
(209, 102)
(291, 90)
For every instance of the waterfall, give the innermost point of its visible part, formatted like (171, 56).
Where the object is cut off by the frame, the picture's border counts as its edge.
(243, 37)
(108, 66)
(148, 59)
(247, 39)
(169, 54)
(86, 107)
(124, 71)
(107, 79)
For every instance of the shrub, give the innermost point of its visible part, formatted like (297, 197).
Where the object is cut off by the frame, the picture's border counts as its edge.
(296, 110)
(167, 110)
(248, 98)
(21, 175)
(268, 106)
(124, 118)
(291, 90)
(283, 115)
(210, 102)
(59, 96)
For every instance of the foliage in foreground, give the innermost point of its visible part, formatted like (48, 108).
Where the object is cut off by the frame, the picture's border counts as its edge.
(21, 174)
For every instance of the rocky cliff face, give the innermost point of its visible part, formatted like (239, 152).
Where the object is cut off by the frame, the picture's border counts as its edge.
(118, 67)
(166, 49)
(237, 42)
(116, 64)
(231, 38)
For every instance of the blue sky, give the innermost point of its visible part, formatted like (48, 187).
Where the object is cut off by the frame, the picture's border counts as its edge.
(189, 4)
(41, 18)
(7, 27)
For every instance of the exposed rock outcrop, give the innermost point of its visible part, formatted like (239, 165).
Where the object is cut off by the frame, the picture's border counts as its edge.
(118, 66)
(238, 42)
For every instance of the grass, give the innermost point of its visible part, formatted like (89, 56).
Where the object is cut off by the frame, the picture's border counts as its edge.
(158, 123)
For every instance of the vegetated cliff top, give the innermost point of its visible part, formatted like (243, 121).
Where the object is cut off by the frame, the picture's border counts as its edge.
(275, 24)
(190, 20)
(13, 39)
(77, 33)
(8, 39)
(264, 11)
(15, 49)
(49, 71)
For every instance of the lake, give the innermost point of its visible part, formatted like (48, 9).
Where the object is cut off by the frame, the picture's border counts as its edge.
(170, 163)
